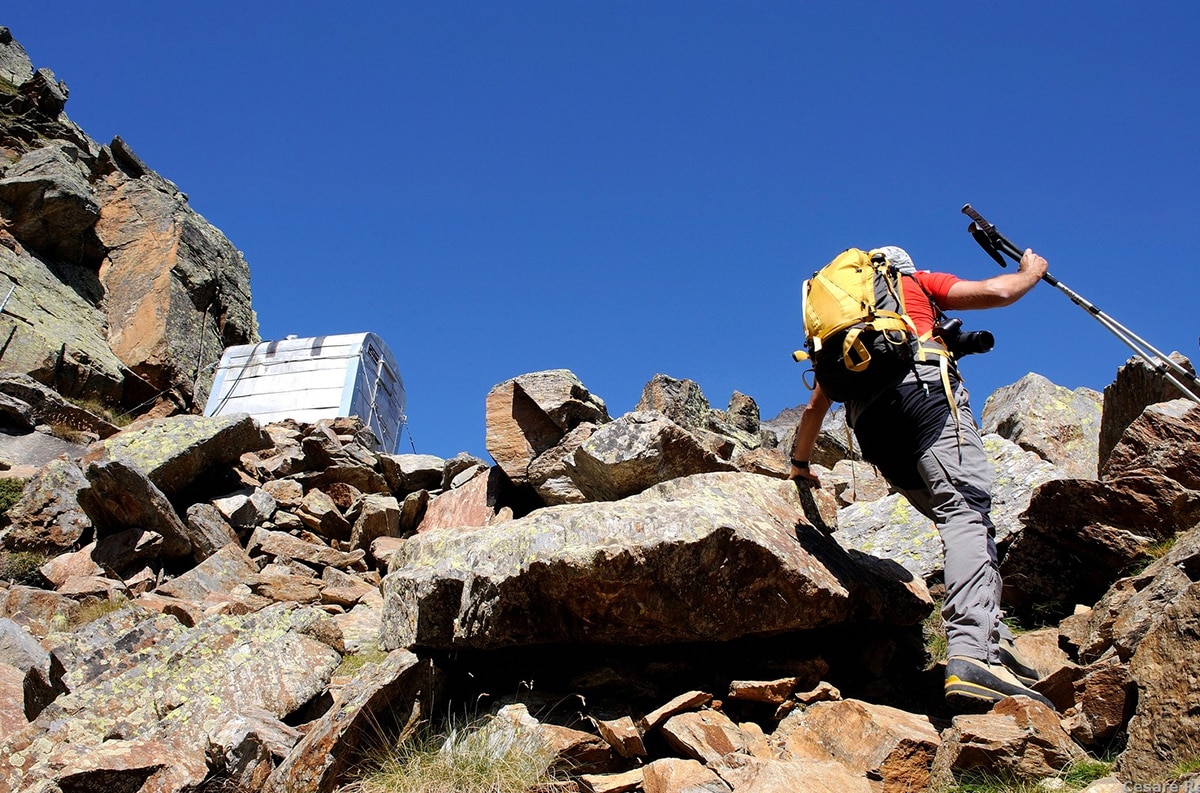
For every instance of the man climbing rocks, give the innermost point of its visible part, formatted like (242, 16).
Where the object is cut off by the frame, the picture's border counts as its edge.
(920, 433)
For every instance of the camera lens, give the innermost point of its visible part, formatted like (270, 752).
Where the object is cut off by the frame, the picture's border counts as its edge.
(974, 341)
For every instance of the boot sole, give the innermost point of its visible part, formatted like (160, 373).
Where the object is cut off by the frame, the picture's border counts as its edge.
(966, 692)
(965, 695)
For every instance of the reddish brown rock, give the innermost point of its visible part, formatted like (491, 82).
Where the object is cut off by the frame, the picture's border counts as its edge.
(622, 736)
(1164, 732)
(1018, 737)
(759, 775)
(389, 692)
(465, 507)
(1137, 385)
(675, 775)
(530, 414)
(873, 741)
(706, 735)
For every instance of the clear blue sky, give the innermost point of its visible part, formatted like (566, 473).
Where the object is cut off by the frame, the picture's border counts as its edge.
(624, 189)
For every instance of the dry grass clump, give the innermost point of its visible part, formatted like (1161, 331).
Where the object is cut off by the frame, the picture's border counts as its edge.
(489, 755)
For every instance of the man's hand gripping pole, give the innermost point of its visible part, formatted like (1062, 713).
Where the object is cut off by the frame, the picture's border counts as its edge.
(998, 246)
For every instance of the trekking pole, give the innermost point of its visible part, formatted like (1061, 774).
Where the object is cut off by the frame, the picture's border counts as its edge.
(997, 246)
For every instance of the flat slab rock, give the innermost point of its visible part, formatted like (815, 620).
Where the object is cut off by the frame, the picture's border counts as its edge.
(706, 557)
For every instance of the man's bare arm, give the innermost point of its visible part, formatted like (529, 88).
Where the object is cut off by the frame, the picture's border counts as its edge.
(807, 430)
(1001, 290)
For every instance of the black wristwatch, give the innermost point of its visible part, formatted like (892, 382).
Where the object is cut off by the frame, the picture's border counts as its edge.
(800, 463)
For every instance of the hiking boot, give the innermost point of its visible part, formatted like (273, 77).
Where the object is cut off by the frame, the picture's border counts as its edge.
(971, 683)
(1016, 663)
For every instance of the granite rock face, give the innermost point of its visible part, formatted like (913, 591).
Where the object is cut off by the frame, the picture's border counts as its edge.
(120, 290)
(1059, 425)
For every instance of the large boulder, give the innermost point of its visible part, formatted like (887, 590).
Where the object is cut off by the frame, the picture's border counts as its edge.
(530, 414)
(1165, 439)
(638, 450)
(1017, 738)
(726, 433)
(681, 401)
(1080, 536)
(1147, 622)
(1061, 426)
(707, 557)
(1133, 606)
(48, 407)
(400, 688)
(550, 475)
(177, 292)
(1162, 734)
(120, 497)
(1137, 385)
(15, 66)
(875, 741)
(59, 338)
(51, 206)
(174, 451)
(48, 517)
(471, 504)
(891, 529)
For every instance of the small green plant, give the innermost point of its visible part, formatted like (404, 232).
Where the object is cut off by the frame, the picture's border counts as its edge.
(1015, 626)
(481, 757)
(92, 610)
(352, 662)
(1085, 772)
(984, 782)
(1187, 767)
(22, 567)
(933, 629)
(1161, 548)
(1149, 555)
(1073, 779)
(10, 492)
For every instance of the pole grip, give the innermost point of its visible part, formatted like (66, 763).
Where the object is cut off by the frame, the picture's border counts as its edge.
(990, 239)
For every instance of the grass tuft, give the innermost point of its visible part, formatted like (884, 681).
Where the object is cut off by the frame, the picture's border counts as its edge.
(10, 492)
(1187, 767)
(486, 756)
(92, 610)
(352, 662)
(113, 415)
(933, 629)
(1073, 779)
(22, 567)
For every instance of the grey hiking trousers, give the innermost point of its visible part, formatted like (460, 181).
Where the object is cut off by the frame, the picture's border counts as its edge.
(934, 457)
(956, 496)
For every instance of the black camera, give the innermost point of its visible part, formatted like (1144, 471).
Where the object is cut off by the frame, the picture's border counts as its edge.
(962, 342)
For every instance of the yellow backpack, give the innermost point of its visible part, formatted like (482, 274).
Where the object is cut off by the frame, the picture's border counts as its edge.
(859, 337)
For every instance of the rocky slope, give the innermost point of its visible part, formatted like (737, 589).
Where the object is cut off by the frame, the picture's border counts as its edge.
(675, 611)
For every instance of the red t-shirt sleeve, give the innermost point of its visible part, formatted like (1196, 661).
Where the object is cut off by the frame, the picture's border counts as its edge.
(916, 302)
(937, 284)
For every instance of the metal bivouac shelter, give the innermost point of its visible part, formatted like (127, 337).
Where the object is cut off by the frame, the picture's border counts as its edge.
(315, 378)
